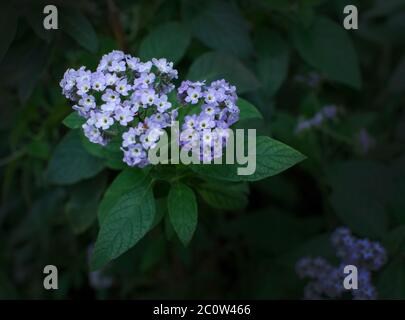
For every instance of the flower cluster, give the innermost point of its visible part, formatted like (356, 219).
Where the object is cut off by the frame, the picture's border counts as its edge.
(327, 280)
(130, 97)
(328, 112)
(359, 252)
(120, 89)
(206, 131)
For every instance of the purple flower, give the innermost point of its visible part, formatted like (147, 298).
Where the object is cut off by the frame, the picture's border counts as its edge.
(158, 120)
(123, 116)
(104, 120)
(122, 87)
(111, 78)
(193, 94)
(327, 280)
(221, 113)
(163, 65)
(88, 102)
(148, 97)
(129, 138)
(210, 96)
(205, 122)
(132, 62)
(83, 87)
(150, 138)
(81, 110)
(144, 67)
(93, 134)
(135, 156)
(98, 81)
(162, 103)
(329, 112)
(110, 96)
(210, 110)
(125, 92)
(359, 252)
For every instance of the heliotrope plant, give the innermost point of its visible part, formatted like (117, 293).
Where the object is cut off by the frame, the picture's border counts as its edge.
(327, 280)
(121, 111)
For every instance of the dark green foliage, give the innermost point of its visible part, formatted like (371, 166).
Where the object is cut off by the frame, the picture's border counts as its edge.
(272, 157)
(159, 43)
(216, 65)
(74, 204)
(71, 163)
(129, 216)
(182, 206)
(327, 47)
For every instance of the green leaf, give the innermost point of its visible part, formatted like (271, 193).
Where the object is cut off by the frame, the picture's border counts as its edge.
(215, 65)
(35, 18)
(124, 183)
(8, 28)
(327, 47)
(273, 61)
(360, 191)
(161, 210)
(363, 215)
(272, 157)
(77, 26)
(391, 284)
(82, 206)
(74, 121)
(318, 246)
(71, 163)
(233, 36)
(153, 253)
(36, 63)
(169, 40)
(277, 4)
(396, 204)
(396, 82)
(112, 154)
(130, 212)
(92, 148)
(394, 241)
(225, 196)
(247, 110)
(182, 206)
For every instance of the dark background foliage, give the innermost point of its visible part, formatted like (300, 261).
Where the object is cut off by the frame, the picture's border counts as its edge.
(289, 58)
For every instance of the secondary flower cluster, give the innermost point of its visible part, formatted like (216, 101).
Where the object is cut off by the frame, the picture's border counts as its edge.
(207, 130)
(326, 113)
(129, 97)
(359, 252)
(327, 280)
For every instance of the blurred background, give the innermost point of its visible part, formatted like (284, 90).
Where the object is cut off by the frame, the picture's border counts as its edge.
(335, 95)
